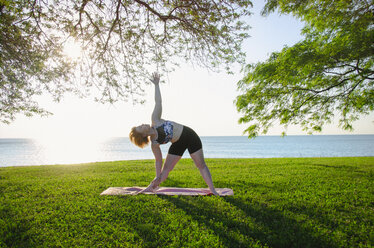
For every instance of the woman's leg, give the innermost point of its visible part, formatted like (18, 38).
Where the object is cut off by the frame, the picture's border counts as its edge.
(198, 158)
(170, 162)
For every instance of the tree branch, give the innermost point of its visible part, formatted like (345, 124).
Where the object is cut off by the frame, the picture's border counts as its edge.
(92, 22)
(162, 17)
(81, 10)
(339, 74)
(320, 91)
(113, 25)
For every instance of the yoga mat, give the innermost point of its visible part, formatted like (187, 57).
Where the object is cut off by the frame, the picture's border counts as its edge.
(166, 191)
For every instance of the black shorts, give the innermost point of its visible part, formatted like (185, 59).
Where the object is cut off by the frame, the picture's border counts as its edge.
(188, 140)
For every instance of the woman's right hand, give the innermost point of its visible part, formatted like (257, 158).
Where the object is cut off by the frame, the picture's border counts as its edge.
(155, 78)
(150, 188)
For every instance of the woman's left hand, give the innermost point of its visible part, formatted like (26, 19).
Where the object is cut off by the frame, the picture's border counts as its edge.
(155, 78)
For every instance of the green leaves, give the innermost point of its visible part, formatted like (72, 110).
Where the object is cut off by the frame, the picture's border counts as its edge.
(122, 42)
(329, 72)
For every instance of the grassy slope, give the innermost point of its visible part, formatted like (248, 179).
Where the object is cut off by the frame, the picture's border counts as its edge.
(303, 202)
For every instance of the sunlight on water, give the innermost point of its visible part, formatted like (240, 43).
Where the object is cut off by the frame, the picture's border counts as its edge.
(73, 149)
(68, 150)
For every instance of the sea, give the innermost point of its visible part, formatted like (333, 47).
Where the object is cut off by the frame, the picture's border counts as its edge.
(24, 152)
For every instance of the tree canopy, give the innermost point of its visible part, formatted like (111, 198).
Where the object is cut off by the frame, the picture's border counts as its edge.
(121, 41)
(328, 73)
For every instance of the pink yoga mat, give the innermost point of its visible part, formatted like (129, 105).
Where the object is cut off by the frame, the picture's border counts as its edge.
(166, 191)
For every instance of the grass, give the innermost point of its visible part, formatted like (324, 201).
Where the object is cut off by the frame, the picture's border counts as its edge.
(288, 202)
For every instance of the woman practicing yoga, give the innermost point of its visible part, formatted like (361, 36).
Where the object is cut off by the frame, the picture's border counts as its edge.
(181, 137)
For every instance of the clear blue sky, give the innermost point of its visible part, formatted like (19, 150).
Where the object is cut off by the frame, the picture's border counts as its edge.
(192, 96)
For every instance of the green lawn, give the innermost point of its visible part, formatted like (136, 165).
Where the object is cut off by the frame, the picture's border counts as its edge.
(295, 202)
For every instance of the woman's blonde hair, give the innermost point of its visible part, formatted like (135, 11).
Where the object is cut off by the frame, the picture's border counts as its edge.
(138, 138)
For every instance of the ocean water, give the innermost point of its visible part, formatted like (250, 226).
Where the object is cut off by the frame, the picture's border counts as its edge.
(15, 152)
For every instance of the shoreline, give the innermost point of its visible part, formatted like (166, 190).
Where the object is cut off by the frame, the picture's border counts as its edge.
(28, 152)
(207, 160)
(212, 136)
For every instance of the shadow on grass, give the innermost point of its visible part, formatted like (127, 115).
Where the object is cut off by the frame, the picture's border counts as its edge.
(338, 167)
(15, 232)
(139, 215)
(346, 169)
(256, 223)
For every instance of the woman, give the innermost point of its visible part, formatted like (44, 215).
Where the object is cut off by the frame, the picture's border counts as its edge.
(181, 137)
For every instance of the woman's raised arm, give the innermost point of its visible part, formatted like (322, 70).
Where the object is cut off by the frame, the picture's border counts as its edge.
(157, 111)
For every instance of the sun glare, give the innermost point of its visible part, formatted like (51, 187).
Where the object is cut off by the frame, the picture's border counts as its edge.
(72, 49)
(64, 150)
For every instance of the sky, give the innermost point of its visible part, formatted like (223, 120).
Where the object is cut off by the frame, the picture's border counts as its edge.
(191, 96)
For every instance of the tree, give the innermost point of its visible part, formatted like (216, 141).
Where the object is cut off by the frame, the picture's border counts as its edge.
(330, 72)
(121, 40)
